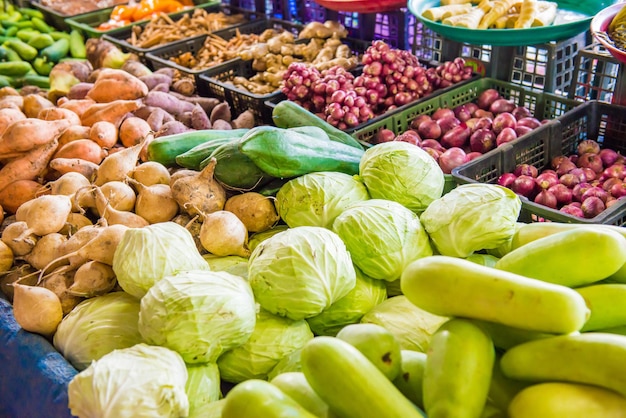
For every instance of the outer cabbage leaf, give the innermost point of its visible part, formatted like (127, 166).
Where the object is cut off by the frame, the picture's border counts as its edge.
(141, 381)
(145, 255)
(413, 327)
(402, 172)
(483, 259)
(316, 199)
(233, 264)
(96, 327)
(203, 386)
(383, 237)
(300, 272)
(209, 410)
(472, 217)
(258, 237)
(350, 309)
(200, 314)
(274, 337)
(289, 363)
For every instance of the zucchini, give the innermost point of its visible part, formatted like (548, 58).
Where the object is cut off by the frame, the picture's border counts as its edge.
(234, 169)
(165, 149)
(569, 258)
(350, 384)
(283, 153)
(288, 114)
(193, 158)
(459, 352)
(480, 292)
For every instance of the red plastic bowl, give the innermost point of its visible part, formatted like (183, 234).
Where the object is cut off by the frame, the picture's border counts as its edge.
(599, 25)
(362, 6)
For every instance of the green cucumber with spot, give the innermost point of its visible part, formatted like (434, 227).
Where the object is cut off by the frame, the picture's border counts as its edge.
(193, 158)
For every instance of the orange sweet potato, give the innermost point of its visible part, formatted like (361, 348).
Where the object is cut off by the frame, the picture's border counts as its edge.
(113, 112)
(58, 113)
(85, 149)
(23, 135)
(18, 192)
(8, 116)
(103, 133)
(28, 166)
(114, 84)
(133, 130)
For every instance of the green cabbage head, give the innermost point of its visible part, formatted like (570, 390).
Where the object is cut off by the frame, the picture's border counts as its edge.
(97, 326)
(350, 309)
(402, 172)
(199, 314)
(383, 237)
(145, 255)
(142, 381)
(472, 217)
(316, 199)
(203, 386)
(413, 327)
(274, 337)
(300, 272)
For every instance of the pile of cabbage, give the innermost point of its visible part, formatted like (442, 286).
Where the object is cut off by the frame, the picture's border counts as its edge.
(189, 322)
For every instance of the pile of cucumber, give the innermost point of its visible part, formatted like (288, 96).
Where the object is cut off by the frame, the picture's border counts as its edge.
(29, 47)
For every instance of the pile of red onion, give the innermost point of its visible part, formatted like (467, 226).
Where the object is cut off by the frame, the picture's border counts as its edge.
(390, 78)
(583, 184)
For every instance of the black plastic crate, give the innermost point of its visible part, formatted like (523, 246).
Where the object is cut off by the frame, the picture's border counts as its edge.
(120, 37)
(595, 120)
(160, 57)
(596, 75)
(215, 82)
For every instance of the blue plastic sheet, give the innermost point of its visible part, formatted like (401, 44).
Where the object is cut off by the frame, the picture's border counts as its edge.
(33, 374)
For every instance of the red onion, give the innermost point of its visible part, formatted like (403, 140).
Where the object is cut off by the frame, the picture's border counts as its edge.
(503, 120)
(573, 211)
(483, 123)
(418, 120)
(590, 160)
(448, 122)
(456, 137)
(556, 161)
(569, 180)
(462, 113)
(409, 136)
(482, 141)
(442, 112)
(433, 152)
(618, 190)
(532, 123)
(506, 179)
(615, 170)
(501, 106)
(473, 155)
(610, 182)
(546, 180)
(588, 146)
(507, 135)
(592, 207)
(608, 156)
(525, 186)
(611, 201)
(481, 113)
(471, 107)
(522, 130)
(579, 190)
(433, 143)
(595, 191)
(452, 158)
(562, 193)
(385, 135)
(526, 170)
(580, 173)
(565, 167)
(521, 112)
(487, 97)
(546, 198)
(589, 174)
(429, 129)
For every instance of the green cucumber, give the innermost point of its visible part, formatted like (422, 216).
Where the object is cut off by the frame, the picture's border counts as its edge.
(234, 169)
(56, 35)
(259, 398)
(25, 51)
(288, 114)
(42, 67)
(77, 44)
(34, 80)
(57, 51)
(39, 24)
(26, 35)
(39, 40)
(27, 11)
(194, 157)
(165, 149)
(283, 153)
(5, 81)
(350, 384)
(15, 68)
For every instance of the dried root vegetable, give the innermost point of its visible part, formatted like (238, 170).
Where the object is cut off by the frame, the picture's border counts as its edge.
(162, 29)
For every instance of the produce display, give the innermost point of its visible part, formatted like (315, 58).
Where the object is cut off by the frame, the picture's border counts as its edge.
(125, 14)
(582, 184)
(74, 7)
(188, 259)
(499, 14)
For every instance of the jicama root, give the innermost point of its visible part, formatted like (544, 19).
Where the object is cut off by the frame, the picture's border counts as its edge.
(222, 233)
(155, 203)
(14, 236)
(36, 309)
(47, 249)
(199, 193)
(151, 172)
(119, 194)
(257, 212)
(118, 165)
(117, 217)
(92, 279)
(45, 214)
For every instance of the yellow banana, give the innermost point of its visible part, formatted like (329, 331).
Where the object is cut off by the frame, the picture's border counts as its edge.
(592, 358)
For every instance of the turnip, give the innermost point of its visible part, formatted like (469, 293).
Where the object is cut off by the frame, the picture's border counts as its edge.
(36, 309)
(257, 212)
(92, 279)
(118, 165)
(193, 225)
(222, 233)
(151, 172)
(48, 248)
(45, 214)
(155, 203)
(114, 216)
(58, 281)
(199, 193)
(16, 236)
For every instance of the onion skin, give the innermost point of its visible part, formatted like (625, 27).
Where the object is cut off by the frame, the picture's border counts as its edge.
(546, 198)
(452, 158)
(592, 207)
(524, 186)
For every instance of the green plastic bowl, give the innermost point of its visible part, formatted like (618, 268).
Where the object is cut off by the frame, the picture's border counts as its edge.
(573, 18)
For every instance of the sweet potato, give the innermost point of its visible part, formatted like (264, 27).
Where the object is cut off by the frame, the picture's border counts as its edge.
(12, 102)
(113, 112)
(10, 91)
(18, 192)
(85, 149)
(114, 84)
(171, 128)
(78, 165)
(136, 68)
(221, 111)
(72, 133)
(221, 124)
(244, 120)
(199, 118)
(78, 106)
(34, 103)
(23, 135)
(79, 91)
(157, 118)
(155, 79)
(133, 130)
(59, 113)
(29, 166)
(167, 102)
(104, 134)
(8, 116)
(207, 103)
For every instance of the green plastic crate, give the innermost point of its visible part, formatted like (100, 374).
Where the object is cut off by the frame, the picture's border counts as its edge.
(57, 19)
(595, 120)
